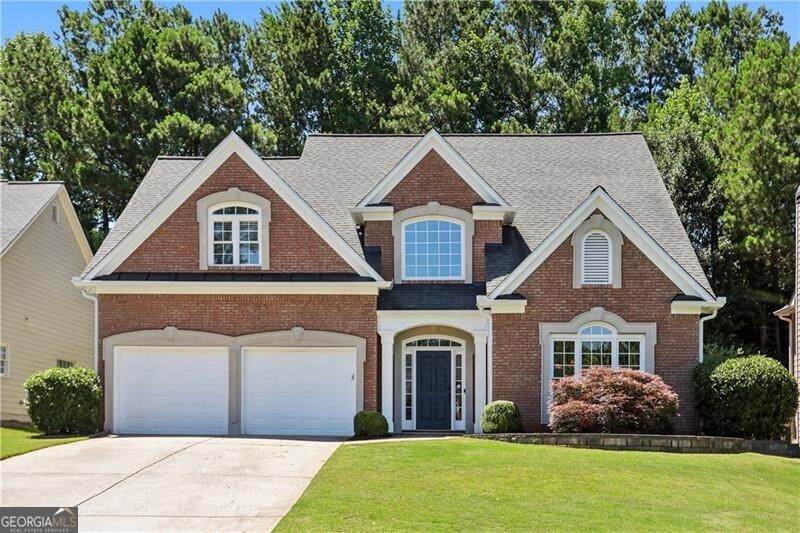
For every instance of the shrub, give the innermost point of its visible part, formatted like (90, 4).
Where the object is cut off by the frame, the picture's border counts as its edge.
(501, 416)
(750, 397)
(612, 401)
(713, 356)
(370, 424)
(64, 400)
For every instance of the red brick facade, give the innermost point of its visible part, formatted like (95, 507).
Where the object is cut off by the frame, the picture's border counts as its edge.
(645, 296)
(293, 245)
(236, 315)
(432, 179)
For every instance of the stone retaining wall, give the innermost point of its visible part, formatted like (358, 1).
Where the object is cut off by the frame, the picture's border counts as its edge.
(651, 443)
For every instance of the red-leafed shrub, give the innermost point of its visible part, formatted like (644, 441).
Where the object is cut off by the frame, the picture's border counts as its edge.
(612, 401)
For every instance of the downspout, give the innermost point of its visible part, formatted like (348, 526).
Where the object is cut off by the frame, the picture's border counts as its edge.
(93, 297)
(702, 323)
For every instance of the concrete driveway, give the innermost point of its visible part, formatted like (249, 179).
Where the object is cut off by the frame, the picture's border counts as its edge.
(167, 483)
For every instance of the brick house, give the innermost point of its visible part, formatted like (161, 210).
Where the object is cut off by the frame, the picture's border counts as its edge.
(419, 275)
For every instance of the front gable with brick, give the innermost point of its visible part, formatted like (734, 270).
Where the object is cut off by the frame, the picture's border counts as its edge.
(294, 247)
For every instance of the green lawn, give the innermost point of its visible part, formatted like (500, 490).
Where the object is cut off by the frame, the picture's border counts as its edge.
(16, 441)
(469, 484)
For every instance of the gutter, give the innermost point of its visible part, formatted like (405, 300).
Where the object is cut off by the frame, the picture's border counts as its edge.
(86, 293)
(703, 320)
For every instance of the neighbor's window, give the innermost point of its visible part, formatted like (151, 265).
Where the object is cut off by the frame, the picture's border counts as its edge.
(596, 259)
(3, 360)
(235, 235)
(61, 363)
(595, 345)
(433, 248)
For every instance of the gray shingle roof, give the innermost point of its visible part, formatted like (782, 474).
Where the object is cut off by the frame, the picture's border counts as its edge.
(544, 176)
(21, 201)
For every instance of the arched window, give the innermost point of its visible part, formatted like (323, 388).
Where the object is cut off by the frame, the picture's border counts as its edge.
(234, 234)
(596, 259)
(433, 248)
(596, 344)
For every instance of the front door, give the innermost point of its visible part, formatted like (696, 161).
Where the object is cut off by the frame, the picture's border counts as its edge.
(433, 389)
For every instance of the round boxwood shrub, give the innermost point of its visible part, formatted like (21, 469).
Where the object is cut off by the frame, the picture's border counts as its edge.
(370, 424)
(501, 416)
(64, 400)
(751, 397)
(603, 400)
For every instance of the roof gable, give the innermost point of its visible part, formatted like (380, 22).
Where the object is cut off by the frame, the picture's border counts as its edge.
(432, 141)
(24, 202)
(232, 144)
(599, 199)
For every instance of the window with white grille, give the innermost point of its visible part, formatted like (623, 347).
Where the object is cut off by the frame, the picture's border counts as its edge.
(596, 259)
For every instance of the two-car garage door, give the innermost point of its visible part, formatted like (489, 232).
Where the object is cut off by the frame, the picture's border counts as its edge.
(187, 390)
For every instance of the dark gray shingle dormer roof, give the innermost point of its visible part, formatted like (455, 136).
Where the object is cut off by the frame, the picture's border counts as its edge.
(545, 177)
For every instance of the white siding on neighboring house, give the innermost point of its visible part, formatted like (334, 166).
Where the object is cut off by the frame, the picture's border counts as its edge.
(43, 317)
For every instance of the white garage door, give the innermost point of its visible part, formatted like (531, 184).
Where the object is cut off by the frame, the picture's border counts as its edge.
(298, 391)
(171, 390)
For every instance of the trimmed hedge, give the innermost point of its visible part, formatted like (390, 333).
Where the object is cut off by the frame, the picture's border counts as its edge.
(64, 400)
(370, 424)
(750, 397)
(612, 401)
(501, 416)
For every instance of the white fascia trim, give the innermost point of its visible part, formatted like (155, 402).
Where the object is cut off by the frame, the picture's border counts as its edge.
(433, 141)
(372, 212)
(502, 306)
(75, 224)
(232, 287)
(600, 199)
(473, 322)
(494, 212)
(230, 145)
(679, 307)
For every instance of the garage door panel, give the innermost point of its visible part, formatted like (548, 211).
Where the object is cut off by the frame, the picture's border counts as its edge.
(299, 391)
(173, 390)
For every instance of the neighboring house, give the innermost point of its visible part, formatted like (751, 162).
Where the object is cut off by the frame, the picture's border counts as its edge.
(421, 276)
(44, 320)
(791, 314)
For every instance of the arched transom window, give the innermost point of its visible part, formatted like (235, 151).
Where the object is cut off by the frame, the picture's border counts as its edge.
(596, 345)
(433, 248)
(234, 234)
(596, 259)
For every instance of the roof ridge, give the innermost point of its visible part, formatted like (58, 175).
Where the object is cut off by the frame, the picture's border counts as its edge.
(483, 134)
(31, 182)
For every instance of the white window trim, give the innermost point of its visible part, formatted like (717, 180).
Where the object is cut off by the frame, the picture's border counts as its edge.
(645, 332)
(235, 220)
(610, 244)
(425, 218)
(411, 351)
(6, 366)
(67, 361)
(578, 339)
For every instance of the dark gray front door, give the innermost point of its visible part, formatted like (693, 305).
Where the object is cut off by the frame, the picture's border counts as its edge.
(433, 389)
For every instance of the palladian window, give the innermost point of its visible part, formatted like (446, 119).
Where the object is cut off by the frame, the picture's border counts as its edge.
(433, 249)
(234, 235)
(595, 345)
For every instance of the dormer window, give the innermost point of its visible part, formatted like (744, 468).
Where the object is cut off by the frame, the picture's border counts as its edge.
(433, 249)
(234, 235)
(596, 259)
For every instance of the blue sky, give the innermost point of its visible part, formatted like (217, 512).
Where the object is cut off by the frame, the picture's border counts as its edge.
(41, 15)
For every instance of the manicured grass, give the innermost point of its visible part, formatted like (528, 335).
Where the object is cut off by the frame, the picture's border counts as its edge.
(469, 484)
(16, 441)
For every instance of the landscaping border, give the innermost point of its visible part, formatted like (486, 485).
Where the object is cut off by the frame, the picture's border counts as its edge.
(650, 443)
